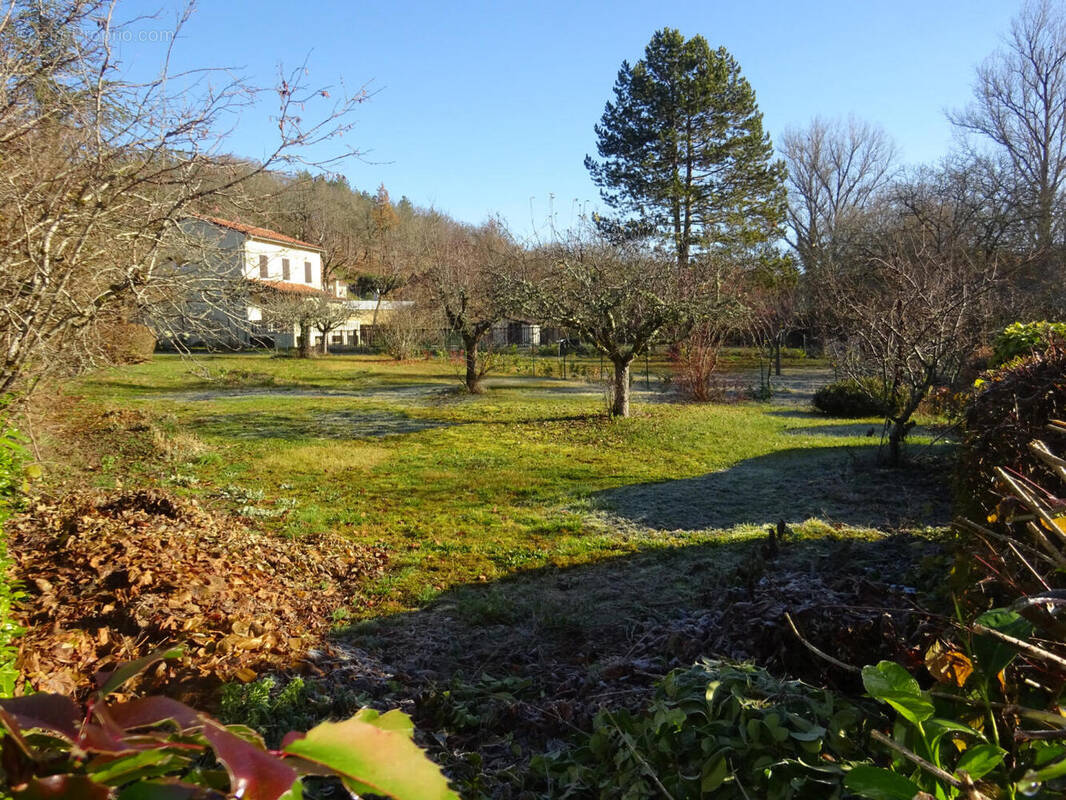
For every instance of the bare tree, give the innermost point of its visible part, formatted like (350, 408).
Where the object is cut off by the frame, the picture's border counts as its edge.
(464, 267)
(770, 297)
(408, 328)
(620, 297)
(327, 315)
(835, 169)
(99, 172)
(285, 311)
(323, 210)
(911, 312)
(388, 251)
(1020, 106)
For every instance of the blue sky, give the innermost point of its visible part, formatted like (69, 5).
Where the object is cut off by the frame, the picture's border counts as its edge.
(489, 107)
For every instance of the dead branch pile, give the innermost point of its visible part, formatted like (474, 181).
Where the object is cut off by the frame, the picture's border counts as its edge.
(111, 577)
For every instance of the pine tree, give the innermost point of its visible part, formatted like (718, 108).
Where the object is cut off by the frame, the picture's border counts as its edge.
(683, 152)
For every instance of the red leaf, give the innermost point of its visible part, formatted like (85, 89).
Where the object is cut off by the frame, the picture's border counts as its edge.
(66, 787)
(47, 712)
(254, 773)
(149, 711)
(168, 790)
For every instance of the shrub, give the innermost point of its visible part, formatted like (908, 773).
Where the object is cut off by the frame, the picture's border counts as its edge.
(943, 401)
(405, 332)
(992, 727)
(696, 364)
(274, 707)
(158, 747)
(852, 398)
(1025, 338)
(716, 729)
(127, 343)
(1009, 408)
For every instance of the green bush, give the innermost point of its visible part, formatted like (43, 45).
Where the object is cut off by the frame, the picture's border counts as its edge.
(852, 398)
(1025, 338)
(991, 726)
(274, 708)
(719, 729)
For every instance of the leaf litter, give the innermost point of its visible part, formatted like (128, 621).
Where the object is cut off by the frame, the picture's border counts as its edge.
(109, 577)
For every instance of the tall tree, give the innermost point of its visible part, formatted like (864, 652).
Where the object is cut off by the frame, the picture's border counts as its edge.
(1020, 106)
(683, 152)
(323, 210)
(835, 169)
(387, 255)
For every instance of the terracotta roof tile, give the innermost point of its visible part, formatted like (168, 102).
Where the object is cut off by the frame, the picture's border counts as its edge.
(259, 233)
(291, 288)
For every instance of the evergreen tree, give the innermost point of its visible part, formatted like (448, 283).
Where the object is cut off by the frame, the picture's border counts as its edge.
(683, 152)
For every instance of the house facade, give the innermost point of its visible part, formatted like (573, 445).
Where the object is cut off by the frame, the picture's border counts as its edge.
(263, 264)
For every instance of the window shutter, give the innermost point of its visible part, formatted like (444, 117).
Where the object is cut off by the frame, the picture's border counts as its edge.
(285, 269)
(263, 268)
(307, 272)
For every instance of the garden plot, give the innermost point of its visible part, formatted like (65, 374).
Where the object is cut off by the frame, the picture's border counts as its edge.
(399, 393)
(315, 424)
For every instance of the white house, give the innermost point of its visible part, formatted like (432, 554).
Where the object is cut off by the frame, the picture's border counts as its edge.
(269, 261)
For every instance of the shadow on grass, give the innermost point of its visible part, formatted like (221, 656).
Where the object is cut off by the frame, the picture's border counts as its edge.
(869, 429)
(799, 413)
(314, 425)
(532, 657)
(841, 484)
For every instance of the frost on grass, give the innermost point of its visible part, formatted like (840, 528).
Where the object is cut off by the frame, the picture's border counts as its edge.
(838, 484)
(315, 425)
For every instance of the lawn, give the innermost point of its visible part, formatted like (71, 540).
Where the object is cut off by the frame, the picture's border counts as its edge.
(463, 489)
(543, 560)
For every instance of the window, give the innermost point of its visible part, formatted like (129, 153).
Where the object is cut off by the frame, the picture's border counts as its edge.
(263, 267)
(307, 272)
(285, 269)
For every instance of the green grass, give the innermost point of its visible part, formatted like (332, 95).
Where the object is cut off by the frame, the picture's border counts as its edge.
(463, 489)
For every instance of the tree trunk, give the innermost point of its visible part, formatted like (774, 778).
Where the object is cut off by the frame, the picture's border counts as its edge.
(777, 356)
(895, 443)
(305, 341)
(473, 380)
(323, 346)
(901, 426)
(620, 403)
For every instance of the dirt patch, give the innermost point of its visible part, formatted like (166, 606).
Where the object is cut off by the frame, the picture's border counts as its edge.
(112, 577)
